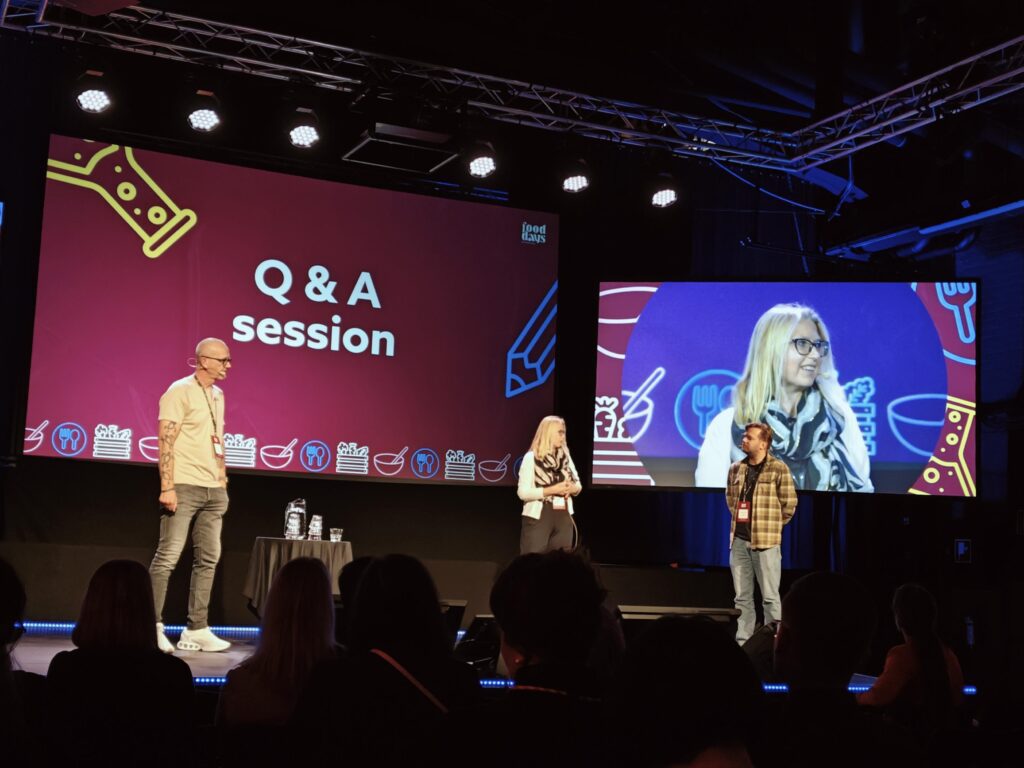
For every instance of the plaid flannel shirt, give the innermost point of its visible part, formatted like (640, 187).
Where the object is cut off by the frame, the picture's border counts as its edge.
(774, 501)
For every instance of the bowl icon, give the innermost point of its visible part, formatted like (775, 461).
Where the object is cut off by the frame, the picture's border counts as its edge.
(34, 436)
(494, 470)
(390, 463)
(278, 456)
(619, 308)
(149, 447)
(638, 419)
(916, 421)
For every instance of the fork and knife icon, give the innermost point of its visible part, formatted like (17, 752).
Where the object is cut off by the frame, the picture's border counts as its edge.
(315, 454)
(69, 434)
(68, 439)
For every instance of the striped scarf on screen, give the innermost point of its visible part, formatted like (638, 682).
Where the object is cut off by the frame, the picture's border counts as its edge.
(811, 444)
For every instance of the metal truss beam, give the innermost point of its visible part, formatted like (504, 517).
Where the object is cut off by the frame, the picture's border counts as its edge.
(976, 80)
(984, 77)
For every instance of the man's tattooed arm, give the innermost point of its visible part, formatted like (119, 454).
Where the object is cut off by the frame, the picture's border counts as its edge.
(167, 432)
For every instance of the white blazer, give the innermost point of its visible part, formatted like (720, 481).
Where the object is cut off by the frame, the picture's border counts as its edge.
(531, 494)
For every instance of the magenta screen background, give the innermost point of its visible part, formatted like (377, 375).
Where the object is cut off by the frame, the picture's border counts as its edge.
(456, 283)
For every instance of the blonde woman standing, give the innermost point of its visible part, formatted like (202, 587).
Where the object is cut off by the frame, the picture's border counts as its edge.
(547, 482)
(790, 384)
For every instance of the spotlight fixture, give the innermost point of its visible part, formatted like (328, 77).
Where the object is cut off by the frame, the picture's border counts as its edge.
(304, 129)
(204, 114)
(481, 160)
(576, 177)
(91, 94)
(664, 191)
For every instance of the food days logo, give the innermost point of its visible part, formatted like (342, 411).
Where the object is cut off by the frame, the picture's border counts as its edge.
(274, 279)
(535, 234)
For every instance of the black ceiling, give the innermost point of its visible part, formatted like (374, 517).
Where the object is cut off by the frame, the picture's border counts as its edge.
(778, 65)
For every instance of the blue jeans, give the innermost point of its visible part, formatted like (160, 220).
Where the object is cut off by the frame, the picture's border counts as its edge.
(746, 564)
(207, 507)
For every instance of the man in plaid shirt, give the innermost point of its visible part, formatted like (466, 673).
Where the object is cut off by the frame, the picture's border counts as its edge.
(761, 498)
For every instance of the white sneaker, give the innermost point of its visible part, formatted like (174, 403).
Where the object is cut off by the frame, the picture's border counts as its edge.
(161, 639)
(201, 640)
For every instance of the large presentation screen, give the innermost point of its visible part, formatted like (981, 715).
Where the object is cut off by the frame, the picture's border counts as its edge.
(372, 333)
(867, 387)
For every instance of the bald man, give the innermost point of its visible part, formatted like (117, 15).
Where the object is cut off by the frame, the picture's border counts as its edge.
(193, 491)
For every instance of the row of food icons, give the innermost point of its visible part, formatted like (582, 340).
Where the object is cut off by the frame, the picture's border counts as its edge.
(109, 442)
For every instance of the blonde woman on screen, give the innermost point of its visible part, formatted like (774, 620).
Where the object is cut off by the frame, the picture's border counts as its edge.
(547, 482)
(790, 382)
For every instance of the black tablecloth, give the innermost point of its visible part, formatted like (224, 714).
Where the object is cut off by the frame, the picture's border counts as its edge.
(268, 555)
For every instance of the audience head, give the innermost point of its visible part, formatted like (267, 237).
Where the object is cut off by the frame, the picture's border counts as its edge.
(348, 578)
(117, 611)
(396, 609)
(916, 617)
(12, 610)
(828, 621)
(685, 688)
(348, 584)
(549, 609)
(297, 629)
(915, 610)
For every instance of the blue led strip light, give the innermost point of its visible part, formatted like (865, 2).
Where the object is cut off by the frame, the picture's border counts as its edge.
(496, 683)
(47, 627)
(969, 690)
(176, 629)
(67, 627)
(209, 681)
(499, 683)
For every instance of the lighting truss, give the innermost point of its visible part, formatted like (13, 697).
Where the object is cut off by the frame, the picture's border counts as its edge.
(978, 79)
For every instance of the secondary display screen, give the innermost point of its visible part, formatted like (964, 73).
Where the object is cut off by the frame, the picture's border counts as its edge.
(372, 333)
(867, 387)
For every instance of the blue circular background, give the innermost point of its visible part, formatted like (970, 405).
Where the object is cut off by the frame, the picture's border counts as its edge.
(302, 455)
(881, 330)
(55, 438)
(413, 464)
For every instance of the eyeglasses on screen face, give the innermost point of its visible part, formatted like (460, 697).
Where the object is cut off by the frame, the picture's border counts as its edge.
(804, 346)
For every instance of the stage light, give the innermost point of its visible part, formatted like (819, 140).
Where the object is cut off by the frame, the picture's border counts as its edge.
(204, 120)
(576, 177)
(91, 94)
(575, 183)
(204, 113)
(304, 136)
(304, 129)
(481, 160)
(664, 192)
(93, 100)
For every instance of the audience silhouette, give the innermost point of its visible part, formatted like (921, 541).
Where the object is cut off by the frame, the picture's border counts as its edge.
(684, 695)
(116, 699)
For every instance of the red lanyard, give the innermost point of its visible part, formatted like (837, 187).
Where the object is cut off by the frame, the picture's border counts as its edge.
(408, 676)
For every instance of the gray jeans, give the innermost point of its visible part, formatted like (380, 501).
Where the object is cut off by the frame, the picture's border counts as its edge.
(552, 531)
(748, 564)
(207, 507)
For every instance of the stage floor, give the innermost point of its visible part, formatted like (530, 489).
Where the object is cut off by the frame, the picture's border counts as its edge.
(34, 653)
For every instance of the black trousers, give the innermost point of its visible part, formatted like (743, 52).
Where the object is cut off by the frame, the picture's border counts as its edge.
(553, 530)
